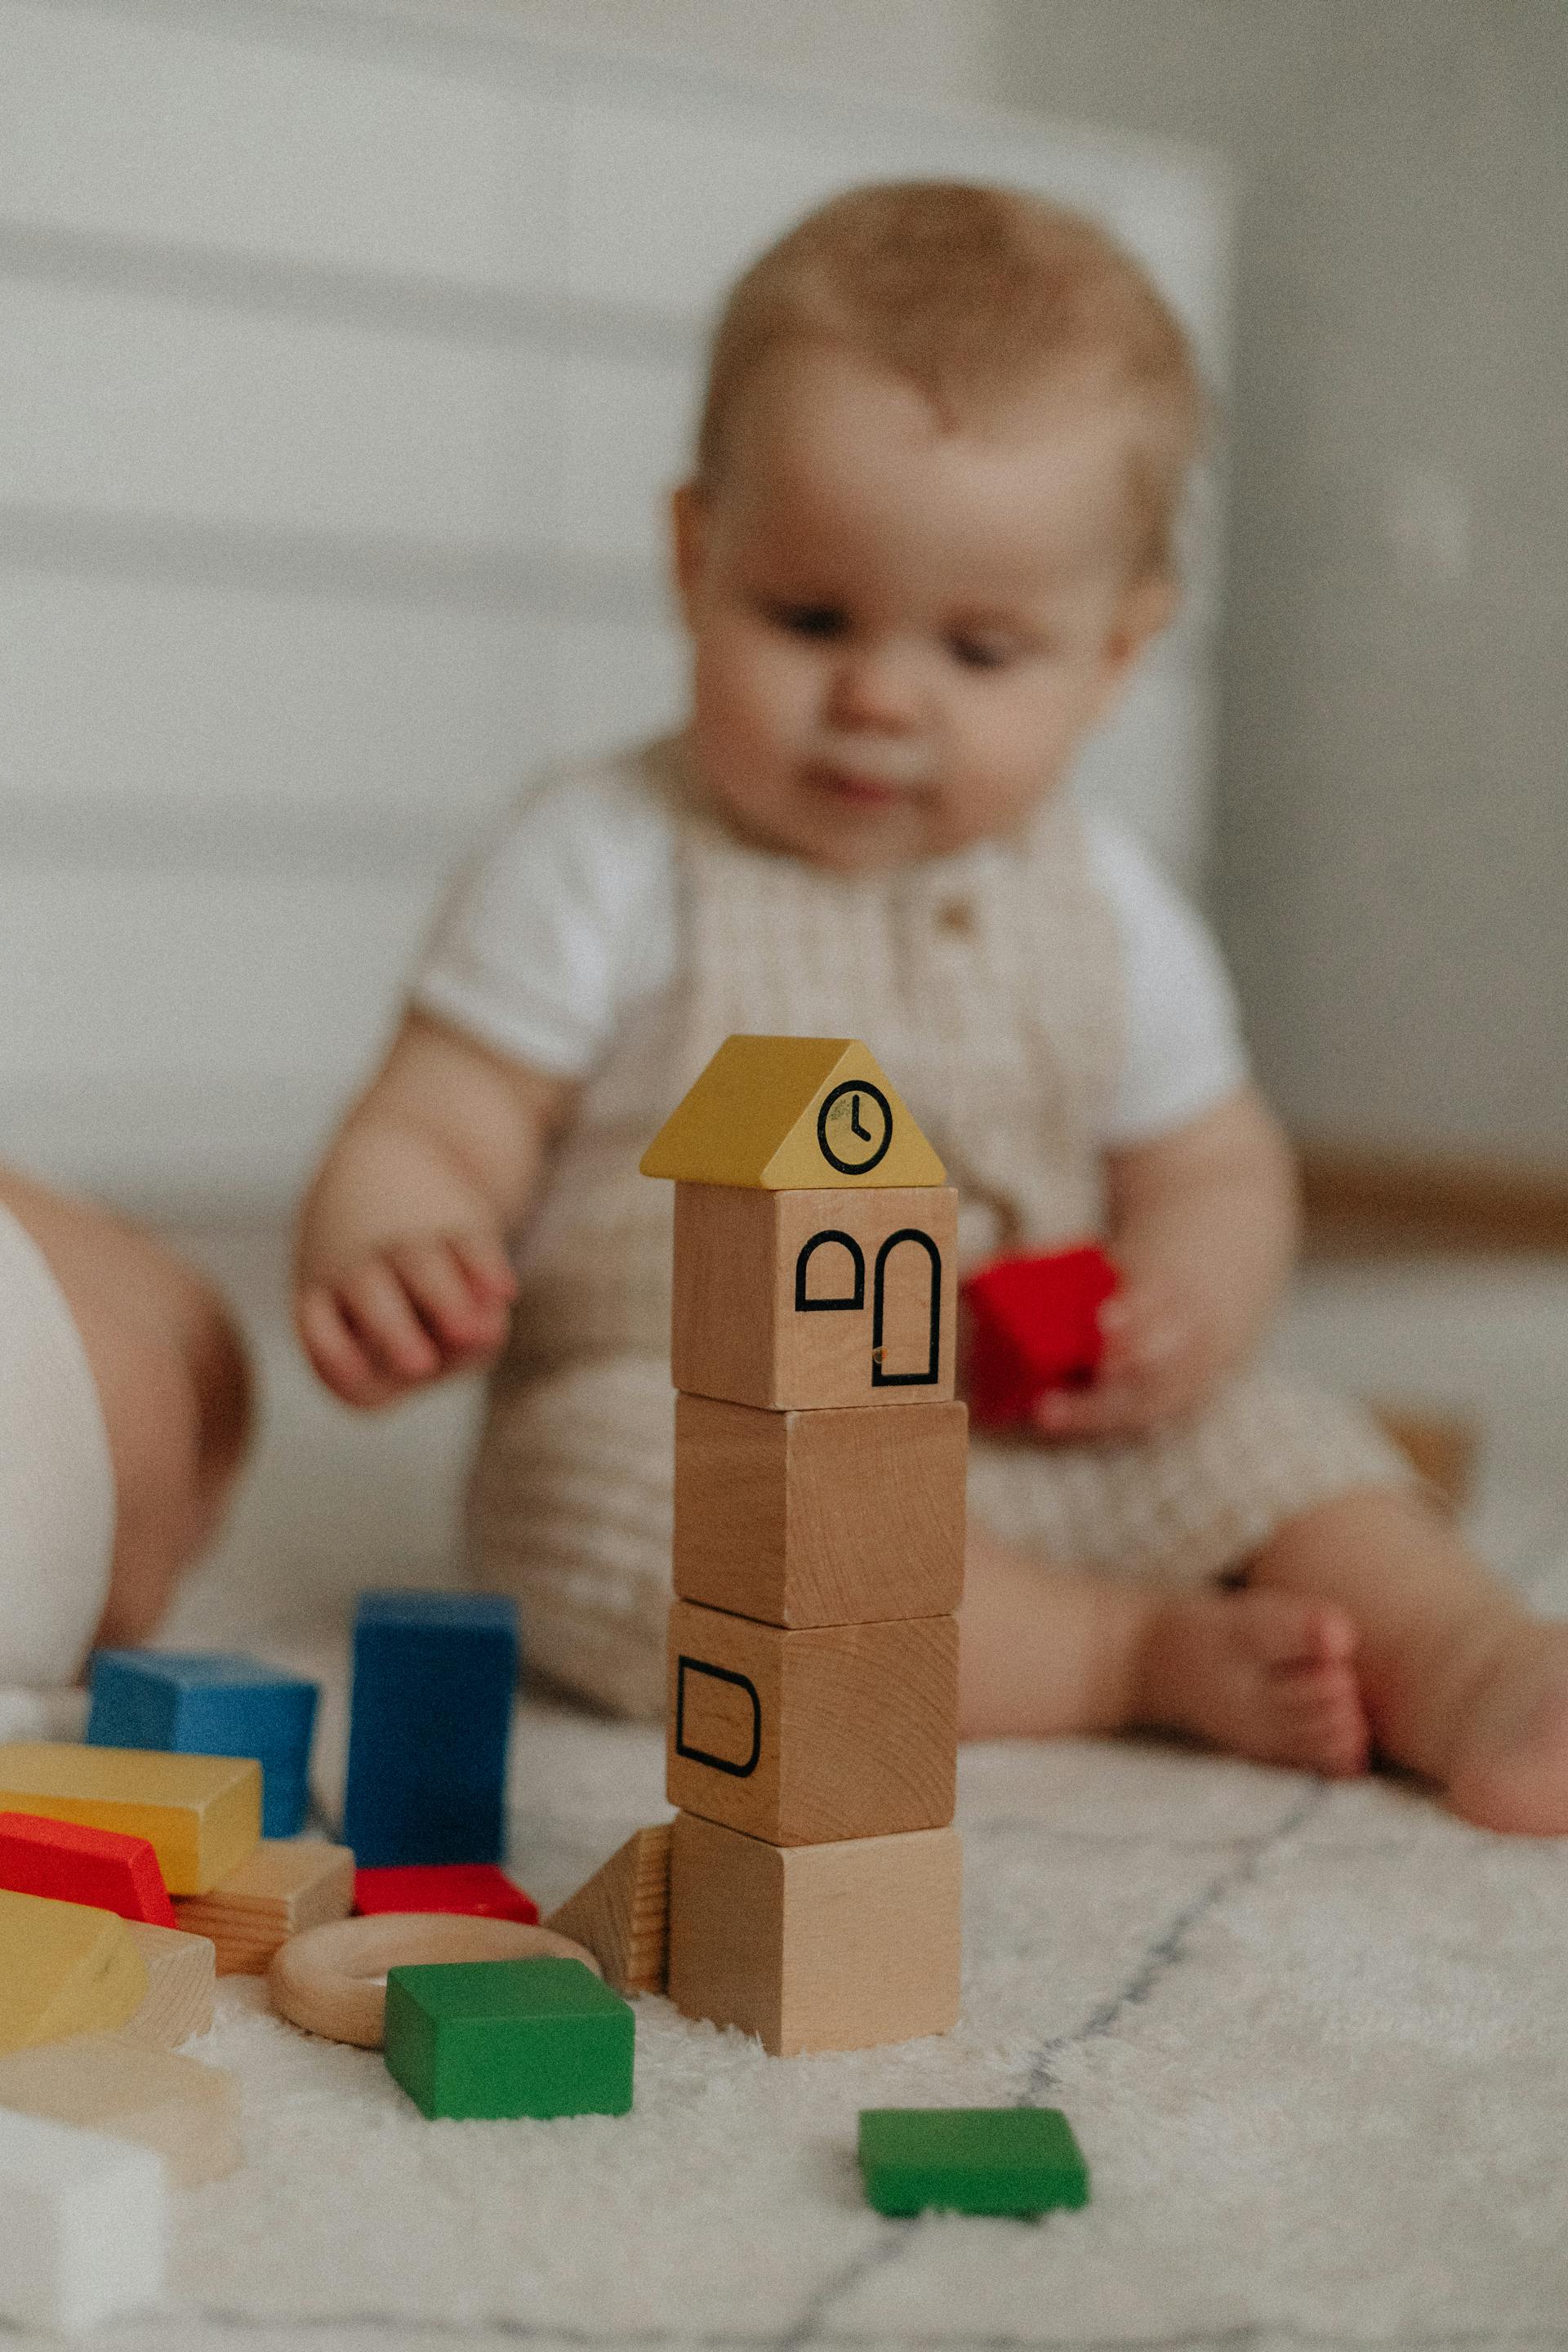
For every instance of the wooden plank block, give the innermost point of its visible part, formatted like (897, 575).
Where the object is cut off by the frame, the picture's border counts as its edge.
(297, 1881)
(202, 1813)
(68, 1968)
(838, 1731)
(189, 2113)
(622, 1912)
(789, 1112)
(833, 1517)
(814, 1297)
(73, 1863)
(84, 2221)
(179, 1997)
(834, 1947)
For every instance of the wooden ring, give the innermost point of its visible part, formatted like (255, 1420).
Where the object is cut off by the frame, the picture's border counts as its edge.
(331, 1979)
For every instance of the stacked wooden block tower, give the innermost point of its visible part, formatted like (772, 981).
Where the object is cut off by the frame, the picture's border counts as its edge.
(819, 1485)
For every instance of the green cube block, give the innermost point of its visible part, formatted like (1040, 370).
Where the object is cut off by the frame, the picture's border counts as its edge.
(497, 2038)
(971, 2159)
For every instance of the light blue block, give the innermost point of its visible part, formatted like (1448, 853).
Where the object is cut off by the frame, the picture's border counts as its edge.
(211, 1703)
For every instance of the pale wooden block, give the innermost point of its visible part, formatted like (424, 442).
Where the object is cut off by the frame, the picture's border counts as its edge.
(67, 1968)
(179, 1997)
(201, 1813)
(187, 2112)
(814, 1297)
(296, 1883)
(622, 1912)
(837, 1731)
(831, 1517)
(834, 1947)
(84, 2223)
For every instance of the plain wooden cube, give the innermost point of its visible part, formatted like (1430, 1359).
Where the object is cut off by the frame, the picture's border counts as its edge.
(839, 1731)
(814, 1297)
(836, 1947)
(83, 2221)
(833, 1517)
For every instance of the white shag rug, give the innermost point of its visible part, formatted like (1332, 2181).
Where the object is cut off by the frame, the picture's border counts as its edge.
(1314, 2041)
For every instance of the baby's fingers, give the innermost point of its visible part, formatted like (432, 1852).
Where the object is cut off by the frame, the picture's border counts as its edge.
(382, 1318)
(338, 1356)
(463, 1319)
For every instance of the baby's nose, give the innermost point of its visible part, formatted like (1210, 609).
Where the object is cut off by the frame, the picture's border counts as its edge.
(875, 685)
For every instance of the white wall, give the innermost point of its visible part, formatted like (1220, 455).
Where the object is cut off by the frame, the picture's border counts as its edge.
(345, 355)
(1393, 871)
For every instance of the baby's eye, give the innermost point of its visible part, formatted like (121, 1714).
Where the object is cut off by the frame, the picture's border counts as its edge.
(981, 651)
(811, 620)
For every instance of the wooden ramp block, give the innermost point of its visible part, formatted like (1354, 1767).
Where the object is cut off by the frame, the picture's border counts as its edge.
(187, 2112)
(178, 2002)
(814, 1297)
(83, 2220)
(834, 1518)
(72, 1864)
(839, 1731)
(65, 1968)
(817, 1946)
(622, 1912)
(201, 1813)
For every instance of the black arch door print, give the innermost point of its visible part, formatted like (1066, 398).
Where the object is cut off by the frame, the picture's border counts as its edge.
(829, 1304)
(881, 1379)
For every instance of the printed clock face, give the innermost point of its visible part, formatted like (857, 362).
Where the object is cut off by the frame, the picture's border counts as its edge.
(854, 1127)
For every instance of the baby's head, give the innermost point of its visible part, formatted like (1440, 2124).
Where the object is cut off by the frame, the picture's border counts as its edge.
(946, 433)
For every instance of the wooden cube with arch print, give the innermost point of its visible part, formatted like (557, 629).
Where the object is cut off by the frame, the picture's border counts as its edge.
(812, 1736)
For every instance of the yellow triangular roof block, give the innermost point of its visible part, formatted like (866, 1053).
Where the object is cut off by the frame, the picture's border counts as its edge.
(785, 1113)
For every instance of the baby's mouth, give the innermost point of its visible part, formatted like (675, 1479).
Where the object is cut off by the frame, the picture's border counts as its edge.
(859, 788)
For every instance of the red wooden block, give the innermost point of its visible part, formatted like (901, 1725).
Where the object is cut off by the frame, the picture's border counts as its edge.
(1034, 1325)
(72, 1864)
(476, 1888)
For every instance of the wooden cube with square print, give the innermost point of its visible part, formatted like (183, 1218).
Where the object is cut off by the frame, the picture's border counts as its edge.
(837, 1731)
(834, 1947)
(840, 1516)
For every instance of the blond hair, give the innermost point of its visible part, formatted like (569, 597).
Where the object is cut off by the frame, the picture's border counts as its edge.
(977, 295)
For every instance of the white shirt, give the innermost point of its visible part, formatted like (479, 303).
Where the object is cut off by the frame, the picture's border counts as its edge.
(568, 921)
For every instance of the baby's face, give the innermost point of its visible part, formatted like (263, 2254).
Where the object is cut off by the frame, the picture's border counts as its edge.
(902, 633)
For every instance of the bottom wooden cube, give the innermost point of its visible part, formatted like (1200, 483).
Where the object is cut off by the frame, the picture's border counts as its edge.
(834, 1947)
(971, 2159)
(499, 2038)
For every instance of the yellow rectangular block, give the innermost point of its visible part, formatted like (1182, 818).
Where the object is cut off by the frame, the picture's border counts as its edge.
(202, 1813)
(816, 1947)
(65, 1967)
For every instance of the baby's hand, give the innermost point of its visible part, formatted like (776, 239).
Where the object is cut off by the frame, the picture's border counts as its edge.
(1163, 1356)
(408, 1313)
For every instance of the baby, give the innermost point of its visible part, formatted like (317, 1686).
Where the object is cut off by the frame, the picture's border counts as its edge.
(927, 536)
(124, 1414)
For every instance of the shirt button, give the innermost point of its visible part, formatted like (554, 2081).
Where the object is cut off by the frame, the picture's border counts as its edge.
(957, 917)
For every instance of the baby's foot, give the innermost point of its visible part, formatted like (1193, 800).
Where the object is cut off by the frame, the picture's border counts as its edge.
(1266, 1674)
(1509, 1764)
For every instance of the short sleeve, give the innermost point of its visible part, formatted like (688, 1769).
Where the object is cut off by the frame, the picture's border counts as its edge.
(1184, 1052)
(565, 920)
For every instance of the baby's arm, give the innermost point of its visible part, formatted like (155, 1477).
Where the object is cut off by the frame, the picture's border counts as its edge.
(400, 1267)
(1203, 1223)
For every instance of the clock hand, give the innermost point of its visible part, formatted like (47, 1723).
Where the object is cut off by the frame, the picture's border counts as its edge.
(854, 1127)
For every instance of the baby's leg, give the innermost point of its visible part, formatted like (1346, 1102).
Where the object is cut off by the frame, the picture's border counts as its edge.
(1046, 1652)
(173, 1383)
(1461, 1683)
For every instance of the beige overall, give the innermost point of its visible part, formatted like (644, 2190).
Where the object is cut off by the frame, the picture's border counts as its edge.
(988, 986)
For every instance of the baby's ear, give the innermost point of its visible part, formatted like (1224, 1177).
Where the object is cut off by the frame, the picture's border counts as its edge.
(688, 542)
(1148, 606)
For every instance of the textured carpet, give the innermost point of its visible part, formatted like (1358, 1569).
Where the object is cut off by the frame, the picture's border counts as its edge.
(1314, 2041)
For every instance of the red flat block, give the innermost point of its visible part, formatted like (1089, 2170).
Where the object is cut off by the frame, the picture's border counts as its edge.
(476, 1888)
(70, 1862)
(1034, 1325)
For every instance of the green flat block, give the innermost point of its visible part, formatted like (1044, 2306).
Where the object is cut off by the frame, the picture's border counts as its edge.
(971, 2159)
(498, 2037)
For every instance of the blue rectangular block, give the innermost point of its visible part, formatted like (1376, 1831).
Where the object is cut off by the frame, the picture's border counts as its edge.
(211, 1703)
(434, 1674)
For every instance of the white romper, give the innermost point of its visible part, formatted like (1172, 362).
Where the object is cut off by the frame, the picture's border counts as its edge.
(989, 986)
